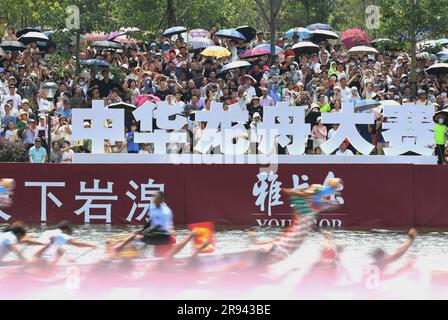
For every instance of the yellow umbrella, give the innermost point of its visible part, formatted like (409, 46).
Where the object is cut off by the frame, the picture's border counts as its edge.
(216, 51)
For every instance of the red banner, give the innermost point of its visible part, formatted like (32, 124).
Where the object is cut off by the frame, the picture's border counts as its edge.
(374, 196)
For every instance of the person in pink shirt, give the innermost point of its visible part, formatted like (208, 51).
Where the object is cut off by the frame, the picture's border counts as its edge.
(319, 133)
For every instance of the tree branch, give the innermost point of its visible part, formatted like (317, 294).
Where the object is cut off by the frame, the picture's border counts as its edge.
(259, 3)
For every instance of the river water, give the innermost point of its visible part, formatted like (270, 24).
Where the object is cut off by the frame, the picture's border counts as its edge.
(429, 249)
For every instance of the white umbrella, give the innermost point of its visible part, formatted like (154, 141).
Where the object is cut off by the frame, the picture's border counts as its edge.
(363, 49)
(306, 47)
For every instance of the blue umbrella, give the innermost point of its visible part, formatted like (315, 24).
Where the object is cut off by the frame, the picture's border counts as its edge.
(302, 33)
(234, 65)
(95, 62)
(268, 47)
(319, 26)
(230, 34)
(172, 31)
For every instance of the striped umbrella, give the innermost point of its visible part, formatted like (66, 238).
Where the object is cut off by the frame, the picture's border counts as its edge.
(199, 43)
(199, 33)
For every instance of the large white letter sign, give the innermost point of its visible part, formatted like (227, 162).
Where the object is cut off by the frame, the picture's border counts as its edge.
(280, 123)
(347, 120)
(409, 129)
(163, 113)
(159, 137)
(98, 132)
(217, 118)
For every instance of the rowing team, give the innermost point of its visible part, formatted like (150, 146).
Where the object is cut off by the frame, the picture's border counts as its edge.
(157, 231)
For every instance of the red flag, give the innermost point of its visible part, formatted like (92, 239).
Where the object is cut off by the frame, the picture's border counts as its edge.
(205, 232)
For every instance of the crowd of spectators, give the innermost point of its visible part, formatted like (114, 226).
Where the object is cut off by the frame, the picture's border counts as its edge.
(166, 70)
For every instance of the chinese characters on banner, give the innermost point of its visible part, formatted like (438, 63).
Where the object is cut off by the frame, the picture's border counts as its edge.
(408, 128)
(267, 189)
(95, 203)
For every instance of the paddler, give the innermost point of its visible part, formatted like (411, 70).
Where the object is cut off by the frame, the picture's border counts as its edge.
(56, 240)
(159, 228)
(10, 238)
(381, 259)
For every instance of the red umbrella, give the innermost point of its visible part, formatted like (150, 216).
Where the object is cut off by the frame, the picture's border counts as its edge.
(354, 37)
(255, 53)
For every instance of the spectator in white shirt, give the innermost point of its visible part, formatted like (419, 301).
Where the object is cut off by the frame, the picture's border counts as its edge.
(265, 100)
(248, 88)
(332, 131)
(14, 97)
(343, 151)
(345, 90)
(67, 154)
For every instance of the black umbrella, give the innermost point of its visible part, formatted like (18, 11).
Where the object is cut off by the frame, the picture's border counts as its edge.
(248, 32)
(106, 44)
(12, 46)
(25, 31)
(322, 35)
(128, 109)
(33, 36)
(437, 68)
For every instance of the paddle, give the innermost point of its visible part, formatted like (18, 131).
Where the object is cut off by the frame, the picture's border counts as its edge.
(81, 255)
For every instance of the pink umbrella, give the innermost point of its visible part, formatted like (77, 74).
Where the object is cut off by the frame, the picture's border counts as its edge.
(354, 37)
(124, 39)
(199, 33)
(141, 99)
(255, 53)
(115, 34)
(96, 36)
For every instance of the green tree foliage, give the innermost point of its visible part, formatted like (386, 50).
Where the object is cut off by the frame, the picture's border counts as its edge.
(407, 18)
(12, 152)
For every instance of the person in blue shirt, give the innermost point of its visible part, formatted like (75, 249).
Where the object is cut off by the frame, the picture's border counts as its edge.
(132, 146)
(160, 224)
(7, 118)
(66, 111)
(37, 153)
(157, 231)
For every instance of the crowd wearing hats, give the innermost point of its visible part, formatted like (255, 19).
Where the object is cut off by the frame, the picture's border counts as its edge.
(168, 69)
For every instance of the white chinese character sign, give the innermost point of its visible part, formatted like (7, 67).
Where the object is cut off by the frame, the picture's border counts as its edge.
(347, 121)
(226, 132)
(104, 124)
(409, 129)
